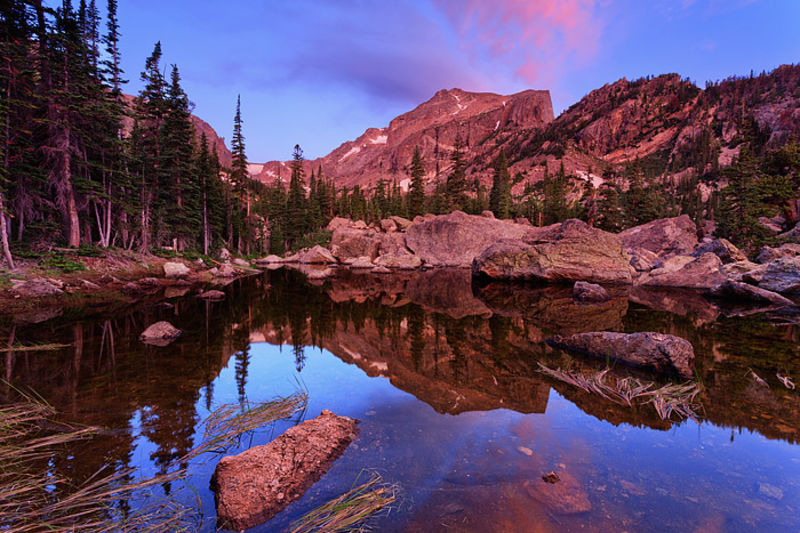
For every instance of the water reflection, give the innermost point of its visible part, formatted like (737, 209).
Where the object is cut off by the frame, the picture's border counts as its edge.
(462, 350)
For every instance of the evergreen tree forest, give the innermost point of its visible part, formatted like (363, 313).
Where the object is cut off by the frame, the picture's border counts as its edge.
(83, 164)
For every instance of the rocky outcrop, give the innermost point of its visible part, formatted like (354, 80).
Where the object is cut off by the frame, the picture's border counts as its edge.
(665, 237)
(583, 291)
(176, 270)
(743, 291)
(722, 248)
(160, 333)
(769, 253)
(657, 351)
(455, 239)
(255, 485)
(782, 275)
(704, 272)
(569, 251)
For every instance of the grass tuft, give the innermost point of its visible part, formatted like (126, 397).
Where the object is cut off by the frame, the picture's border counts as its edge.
(352, 510)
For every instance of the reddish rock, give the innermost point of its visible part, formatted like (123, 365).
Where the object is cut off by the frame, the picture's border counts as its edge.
(212, 295)
(316, 255)
(659, 351)
(742, 291)
(643, 260)
(583, 291)
(403, 261)
(455, 239)
(160, 333)
(569, 251)
(704, 272)
(782, 275)
(665, 236)
(769, 253)
(37, 288)
(722, 248)
(565, 496)
(255, 485)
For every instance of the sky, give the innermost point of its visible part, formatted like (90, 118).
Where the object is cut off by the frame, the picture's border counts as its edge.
(318, 73)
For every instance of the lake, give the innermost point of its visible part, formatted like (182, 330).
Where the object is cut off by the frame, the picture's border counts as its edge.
(455, 410)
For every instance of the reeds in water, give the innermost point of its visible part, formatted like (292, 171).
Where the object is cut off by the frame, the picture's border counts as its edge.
(352, 510)
(677, 399)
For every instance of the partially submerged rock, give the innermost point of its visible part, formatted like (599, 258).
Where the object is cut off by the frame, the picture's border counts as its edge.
(583, 291)
(174, 270)
(403, 261)
(658, 351)
(270, 259)
(160, 333)
(226, 271)
(359, 262)
(37, 288)
(742, 291)
(569, 251)
(255, 485)
(665, 236)
(316, 256)
(241, 262)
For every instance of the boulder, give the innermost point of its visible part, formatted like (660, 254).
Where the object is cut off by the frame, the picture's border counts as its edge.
(455, 239)
(722, 248)
(317, 255)
(132, 288)
(392, 243)
(224, 254)
(388, 225)
(569, 251)
(402, 223)
(212, 295)
(176, 270)
(403, 261)
(294, 258)
(160, 333)
(643, 260)
(37, 288)
(658, 351)
(782, 275)
(269, 260)
(381, 270)
(665, 237)
(583, 291)
(339, 222)
(347, 243)
(360, 262)
(241, 262)
(736, 290)
(226, 271)
(769, 253)
(487, 214)
(255, 485)
(704, 272)
(737, 270)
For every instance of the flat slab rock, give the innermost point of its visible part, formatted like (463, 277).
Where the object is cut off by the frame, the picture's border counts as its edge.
(659, 351)
(257, 484)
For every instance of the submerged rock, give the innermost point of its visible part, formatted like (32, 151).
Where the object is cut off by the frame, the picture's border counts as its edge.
(665, 236)
(659, 351)
(255, 485)
(743, 291)
(583, 291)
(569, 251)
(160, 333)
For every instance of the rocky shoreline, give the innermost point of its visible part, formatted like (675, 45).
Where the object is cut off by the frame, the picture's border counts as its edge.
(664, 253)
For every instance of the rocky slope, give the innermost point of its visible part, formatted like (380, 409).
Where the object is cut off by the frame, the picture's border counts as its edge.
(667, 122)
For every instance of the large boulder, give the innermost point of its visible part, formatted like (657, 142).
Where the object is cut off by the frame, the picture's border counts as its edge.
(160, 333)
(583, 291)
(643, 260)
(359, 262)
(269, 260)
(241, 262)
(736, 290)
(174, 270)
(665, 236)
(782, 275)
(455, 239)
(402, 223)
(704, 272)
(317, 256)
(722, 248)
(37, 288)
(226, 271)
(349, 242)
(658, 351)
(569, 251)
(736, 271)
(392, 243)
(255, 485)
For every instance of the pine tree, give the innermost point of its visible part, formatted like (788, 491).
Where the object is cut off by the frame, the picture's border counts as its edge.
(457, 179)
(296, 201)
(416, 191)
(500, 195)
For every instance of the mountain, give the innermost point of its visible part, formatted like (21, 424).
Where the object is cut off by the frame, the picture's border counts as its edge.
(667, 123)
(481, 119)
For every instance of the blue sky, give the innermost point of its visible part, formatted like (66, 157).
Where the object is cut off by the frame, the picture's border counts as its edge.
(319, 73)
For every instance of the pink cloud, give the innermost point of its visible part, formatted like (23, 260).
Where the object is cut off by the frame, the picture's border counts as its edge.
(534, 38)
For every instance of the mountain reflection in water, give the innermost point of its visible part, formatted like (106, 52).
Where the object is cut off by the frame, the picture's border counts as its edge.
(462, 350)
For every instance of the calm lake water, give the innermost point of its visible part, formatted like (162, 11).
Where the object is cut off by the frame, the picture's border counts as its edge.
(445, 379)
